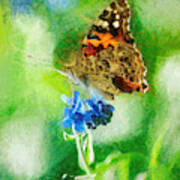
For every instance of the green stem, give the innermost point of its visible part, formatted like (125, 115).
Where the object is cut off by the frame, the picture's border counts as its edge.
(90, 139)
(80, 155)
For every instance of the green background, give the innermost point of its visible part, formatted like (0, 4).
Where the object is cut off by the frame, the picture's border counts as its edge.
(144, 135)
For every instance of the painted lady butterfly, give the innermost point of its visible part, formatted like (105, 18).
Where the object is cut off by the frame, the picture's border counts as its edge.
(109, 60)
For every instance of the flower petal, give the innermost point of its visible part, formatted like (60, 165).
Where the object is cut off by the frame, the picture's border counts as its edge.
(79, 127)
(66, 111)
(75, 97)
(78, 107)
(111, 108)
(67, 123)
(88, 116)
(94, 107)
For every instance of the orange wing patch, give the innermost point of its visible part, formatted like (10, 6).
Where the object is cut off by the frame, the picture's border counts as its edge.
(91, 46)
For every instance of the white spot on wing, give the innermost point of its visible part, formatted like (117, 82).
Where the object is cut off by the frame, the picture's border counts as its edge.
(117, 16)
(105, 24)
(115, 24)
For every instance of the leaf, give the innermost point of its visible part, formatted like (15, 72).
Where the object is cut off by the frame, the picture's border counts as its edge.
(160, 172)
(121, 166)
(107, 167)
(68, 137)
(174, 167)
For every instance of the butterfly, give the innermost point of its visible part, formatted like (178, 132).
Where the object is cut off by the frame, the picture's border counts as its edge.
(109, 59)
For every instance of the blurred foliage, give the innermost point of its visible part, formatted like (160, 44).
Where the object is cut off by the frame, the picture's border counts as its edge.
(33, 43)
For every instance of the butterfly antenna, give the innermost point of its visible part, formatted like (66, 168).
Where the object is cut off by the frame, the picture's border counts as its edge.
(30, 56)
(66, 73)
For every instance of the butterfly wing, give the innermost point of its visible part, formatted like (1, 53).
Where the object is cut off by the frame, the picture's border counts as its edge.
(110, 61)
(111, 27)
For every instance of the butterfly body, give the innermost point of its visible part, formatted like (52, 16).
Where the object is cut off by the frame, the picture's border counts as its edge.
(109, 60)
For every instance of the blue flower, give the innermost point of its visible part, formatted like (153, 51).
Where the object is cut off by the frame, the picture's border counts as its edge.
(74, 102)
(75, 115)
(86, 113)
(101, 113)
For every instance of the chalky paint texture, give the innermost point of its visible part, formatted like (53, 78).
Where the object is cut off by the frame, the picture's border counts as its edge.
(142, 138)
